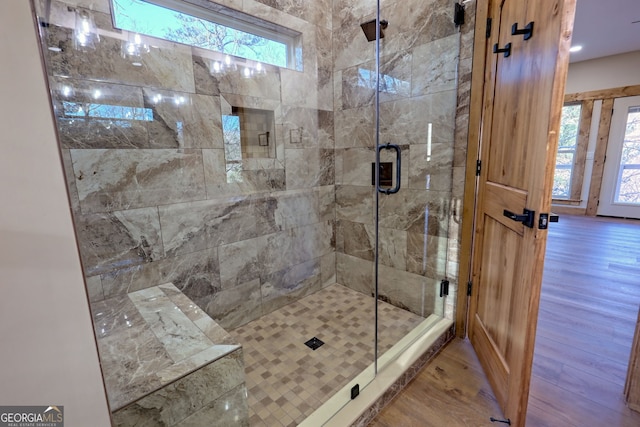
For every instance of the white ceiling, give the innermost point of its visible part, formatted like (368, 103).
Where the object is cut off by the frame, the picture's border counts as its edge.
(606, 27)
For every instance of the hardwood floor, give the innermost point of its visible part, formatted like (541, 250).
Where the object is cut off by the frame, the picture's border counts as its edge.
(588, 309)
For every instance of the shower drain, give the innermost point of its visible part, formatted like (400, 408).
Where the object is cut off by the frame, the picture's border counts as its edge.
(314, 343)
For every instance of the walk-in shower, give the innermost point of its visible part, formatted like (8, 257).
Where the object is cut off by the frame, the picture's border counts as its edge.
(219, 162)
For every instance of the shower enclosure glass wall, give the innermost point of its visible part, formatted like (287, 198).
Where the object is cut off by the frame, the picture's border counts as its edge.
(228, 149)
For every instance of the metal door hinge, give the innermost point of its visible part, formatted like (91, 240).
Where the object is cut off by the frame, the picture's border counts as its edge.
(478, 167)
(444, 288)
(488, 33)
(469, 286)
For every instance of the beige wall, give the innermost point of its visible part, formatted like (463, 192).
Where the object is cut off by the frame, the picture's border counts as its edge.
(604, 73)
(597, 74)
(48, 351)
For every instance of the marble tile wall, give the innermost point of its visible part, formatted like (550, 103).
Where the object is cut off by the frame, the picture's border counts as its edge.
(166, 363)
(155, 197)
(420, 88)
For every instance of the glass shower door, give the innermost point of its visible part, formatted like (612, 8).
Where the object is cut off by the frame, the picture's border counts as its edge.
(417, 225)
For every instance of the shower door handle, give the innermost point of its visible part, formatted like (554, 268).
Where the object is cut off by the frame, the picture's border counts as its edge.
(396, 148)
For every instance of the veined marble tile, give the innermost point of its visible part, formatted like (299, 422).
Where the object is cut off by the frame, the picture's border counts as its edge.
(167, 67)
(125, 179)
(324, 55)
(392, 248)
(197, 274)
(305, 243)
(91, 114)
(127, 367)
(299, 208)
(430, 167)
(355, 127)
(114, 316)
(98, 5)
(236, 306)
(179, 336)
(309, 167)
(408, 120)
(359, 239)
(211, 329)
(314, 13)
(229, 179)
(94, 289)
(146, 294)
(110, 241)
(301, 90)
(183, 120)
(205, 83)
(350, 46)
(426, 255)
(409, 291)
(194, 362)
(356, 165)
(286, 286)
(328, 269)
(355, 273)
(239, 262)
(434, 66)
(129, 351)
(229, 410)
(416, 211)
(359, 82)
(276, 15)
(233, 81)
(176, 401)
(190, 227)
(422, 22)
(326, 202)
(306, 127)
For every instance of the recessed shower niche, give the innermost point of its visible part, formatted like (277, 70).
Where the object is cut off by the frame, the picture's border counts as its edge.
(248, 133)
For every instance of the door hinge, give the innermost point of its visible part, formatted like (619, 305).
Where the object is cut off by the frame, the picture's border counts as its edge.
(478, 167)
(444, 288)
(469, 286)
(488, 32)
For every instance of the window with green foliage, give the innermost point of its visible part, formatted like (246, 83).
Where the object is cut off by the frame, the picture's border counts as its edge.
(184, 22)
(567, 145)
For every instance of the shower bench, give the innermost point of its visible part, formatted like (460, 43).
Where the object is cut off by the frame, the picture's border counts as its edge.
(167, 363)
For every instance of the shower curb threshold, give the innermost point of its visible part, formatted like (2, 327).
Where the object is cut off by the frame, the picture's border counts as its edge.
(396, 367)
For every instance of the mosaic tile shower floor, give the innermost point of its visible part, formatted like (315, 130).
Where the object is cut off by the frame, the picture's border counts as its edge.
(286, 380)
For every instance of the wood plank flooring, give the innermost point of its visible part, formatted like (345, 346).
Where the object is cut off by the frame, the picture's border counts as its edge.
(588, 308)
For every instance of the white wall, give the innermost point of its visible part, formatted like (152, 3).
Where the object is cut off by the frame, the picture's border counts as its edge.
(604, 73)
(597, 74)
(47, 346)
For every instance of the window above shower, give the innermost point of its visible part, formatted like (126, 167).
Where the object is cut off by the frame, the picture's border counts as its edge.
(212, 27)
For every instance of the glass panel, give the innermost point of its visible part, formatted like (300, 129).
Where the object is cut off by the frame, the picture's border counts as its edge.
(418, 226)
(185, 169)
(248, 188)
(629, 191)
(562, 183)
(628, 186)
(569, 130)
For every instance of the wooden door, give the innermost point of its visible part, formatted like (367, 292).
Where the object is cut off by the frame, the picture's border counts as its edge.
(522, 102)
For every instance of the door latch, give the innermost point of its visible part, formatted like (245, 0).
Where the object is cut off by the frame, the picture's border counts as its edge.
(527, 217)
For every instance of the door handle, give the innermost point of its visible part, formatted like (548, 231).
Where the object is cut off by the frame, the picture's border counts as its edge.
(396, 148)
(526, 218)
(545, 219)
